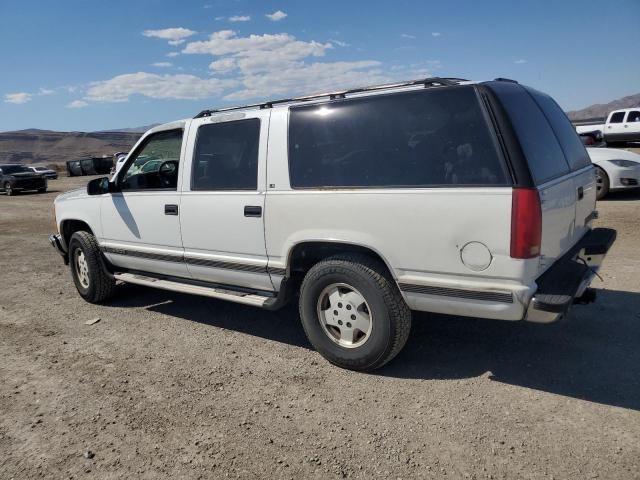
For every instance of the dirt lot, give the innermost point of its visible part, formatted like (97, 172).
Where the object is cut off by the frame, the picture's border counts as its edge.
(173, 386)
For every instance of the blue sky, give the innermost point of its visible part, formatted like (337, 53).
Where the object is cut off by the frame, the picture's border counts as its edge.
(94, 65)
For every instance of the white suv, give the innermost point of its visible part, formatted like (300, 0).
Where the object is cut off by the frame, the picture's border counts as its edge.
(437, 195)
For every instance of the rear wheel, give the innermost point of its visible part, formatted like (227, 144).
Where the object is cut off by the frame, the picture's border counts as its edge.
(353, 313)
(42, 190)
(602, 183)
(91, 280)
(9, 189)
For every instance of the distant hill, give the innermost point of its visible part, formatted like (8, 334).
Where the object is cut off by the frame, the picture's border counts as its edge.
(600, 110)
(45, 146)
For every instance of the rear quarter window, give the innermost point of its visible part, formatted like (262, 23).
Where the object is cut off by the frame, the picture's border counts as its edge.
(436, 137)
(541, 148)
(572, 147)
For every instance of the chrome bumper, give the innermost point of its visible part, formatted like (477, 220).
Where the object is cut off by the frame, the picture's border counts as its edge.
(568, 280)
(57, 243)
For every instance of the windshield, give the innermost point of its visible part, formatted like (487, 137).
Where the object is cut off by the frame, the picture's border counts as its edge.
(7, 169)
(41, 169)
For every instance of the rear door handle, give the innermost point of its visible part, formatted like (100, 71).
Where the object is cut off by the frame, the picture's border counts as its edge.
(252, 211)
(580, 193)
(171, 209)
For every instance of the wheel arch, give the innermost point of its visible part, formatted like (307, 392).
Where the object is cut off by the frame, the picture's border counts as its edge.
(70, 226)
(304, 254)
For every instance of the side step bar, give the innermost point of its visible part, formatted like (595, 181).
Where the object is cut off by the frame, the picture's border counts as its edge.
(222, 294)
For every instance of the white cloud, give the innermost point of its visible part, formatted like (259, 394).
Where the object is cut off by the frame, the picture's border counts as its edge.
(435, 34)
(17, 98)
(306, 78)
(340, 43)
(223, 65)
(217, 19)
(162, 64)
(276, 16)
(520, 61)
(240, 18)
(45, 91)
(77, 104)
(257, 52)
(175, 36)
(173, 54)
(184, 87)
(407, 36)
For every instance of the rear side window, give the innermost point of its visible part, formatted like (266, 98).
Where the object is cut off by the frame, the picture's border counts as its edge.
(573, 149)
(634, 116)
(419, 138)
(541, 148)
(617, 117)
(226, 156)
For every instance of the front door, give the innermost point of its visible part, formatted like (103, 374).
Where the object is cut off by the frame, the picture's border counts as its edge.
(140, 223)
(222, 216)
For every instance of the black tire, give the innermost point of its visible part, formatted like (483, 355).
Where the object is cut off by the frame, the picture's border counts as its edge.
(9, 190)
(390, 316)
(602, 183)
(99, 285)
(42, 190)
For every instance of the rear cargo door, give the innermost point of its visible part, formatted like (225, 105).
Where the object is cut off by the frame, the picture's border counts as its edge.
(557, 181)
(583, 173)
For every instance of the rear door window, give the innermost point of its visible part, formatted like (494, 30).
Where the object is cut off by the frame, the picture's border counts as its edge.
(539, 143)
(433, 137)
(226, 156)
(633, 116)
(573, 149)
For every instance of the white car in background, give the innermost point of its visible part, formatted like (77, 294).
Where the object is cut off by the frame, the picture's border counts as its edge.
(616, 169)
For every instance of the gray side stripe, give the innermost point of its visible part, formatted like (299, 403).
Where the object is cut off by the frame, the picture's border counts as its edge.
(200, 262)
(457, 292)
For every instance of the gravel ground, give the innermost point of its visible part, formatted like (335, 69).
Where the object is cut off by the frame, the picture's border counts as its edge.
(172, 386)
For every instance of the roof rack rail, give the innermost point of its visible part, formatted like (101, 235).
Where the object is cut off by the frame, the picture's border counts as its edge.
(501, 79)
(427, 82)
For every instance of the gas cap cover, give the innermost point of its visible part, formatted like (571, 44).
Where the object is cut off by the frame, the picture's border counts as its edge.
(476, 256)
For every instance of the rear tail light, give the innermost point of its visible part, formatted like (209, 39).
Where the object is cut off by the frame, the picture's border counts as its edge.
(526, 223)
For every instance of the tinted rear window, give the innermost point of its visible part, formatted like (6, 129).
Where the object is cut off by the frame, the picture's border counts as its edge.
(419, 138)
(539, 143)
(573, 149)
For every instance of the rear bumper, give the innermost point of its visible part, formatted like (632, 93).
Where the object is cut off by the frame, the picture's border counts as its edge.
(57, 243)
(569, 277)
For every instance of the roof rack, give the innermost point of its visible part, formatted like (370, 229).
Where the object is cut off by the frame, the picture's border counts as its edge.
(427, 82)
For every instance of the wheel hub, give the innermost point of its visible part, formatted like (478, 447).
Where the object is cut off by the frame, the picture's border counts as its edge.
(344, 315)
(82, 268)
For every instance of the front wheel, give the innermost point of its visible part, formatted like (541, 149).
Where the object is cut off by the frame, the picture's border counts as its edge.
(353, 313)
(602, 183)
(91, 280)
(9, 189)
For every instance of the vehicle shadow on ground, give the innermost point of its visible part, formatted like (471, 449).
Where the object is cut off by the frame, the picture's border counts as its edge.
(592, 355)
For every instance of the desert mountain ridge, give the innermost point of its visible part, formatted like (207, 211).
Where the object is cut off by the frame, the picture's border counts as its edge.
(47, 146)
(601, 110)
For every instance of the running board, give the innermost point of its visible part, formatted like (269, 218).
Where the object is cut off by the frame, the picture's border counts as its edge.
(222, 294)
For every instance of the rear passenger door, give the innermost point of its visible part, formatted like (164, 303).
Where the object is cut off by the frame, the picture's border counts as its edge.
(222, 211)
(632, 125)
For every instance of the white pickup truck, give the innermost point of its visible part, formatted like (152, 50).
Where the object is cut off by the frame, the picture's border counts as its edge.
(436, 195)
(620, 126)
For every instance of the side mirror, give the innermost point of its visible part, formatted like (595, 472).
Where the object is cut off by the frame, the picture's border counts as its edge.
(100, 186)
